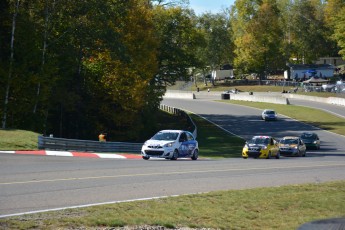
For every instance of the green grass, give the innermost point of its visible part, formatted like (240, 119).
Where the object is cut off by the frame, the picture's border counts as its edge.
(285, 207)
(315, 117)
(215, 142)
(14, 139)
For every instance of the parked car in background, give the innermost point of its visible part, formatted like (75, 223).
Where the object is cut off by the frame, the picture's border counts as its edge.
(292, 146)
(171, 144)
(269, 115)
(311, 140)
(261, 147)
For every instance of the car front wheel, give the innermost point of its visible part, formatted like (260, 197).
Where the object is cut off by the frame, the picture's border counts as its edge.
(195, 155)
(269, 155)
(175, 155)
(146, 158)
(278, 155)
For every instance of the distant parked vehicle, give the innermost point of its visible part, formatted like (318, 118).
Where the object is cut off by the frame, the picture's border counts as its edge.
(311, 140)
(292, 146)
(269, 115)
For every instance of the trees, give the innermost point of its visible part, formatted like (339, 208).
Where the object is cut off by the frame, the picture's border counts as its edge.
(109, 70)
(177, 36)
(217, 46)
(339, 31)
(335, 20)
(257, 36)
(76, 68)
(84, 67)
(307, 31)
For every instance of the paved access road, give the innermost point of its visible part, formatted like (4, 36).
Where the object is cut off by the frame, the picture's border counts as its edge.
(33, 183)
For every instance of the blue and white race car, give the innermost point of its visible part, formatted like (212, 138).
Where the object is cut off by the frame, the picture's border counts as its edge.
(171, 144)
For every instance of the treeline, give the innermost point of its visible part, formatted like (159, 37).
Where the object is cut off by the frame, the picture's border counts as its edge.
(78, 68)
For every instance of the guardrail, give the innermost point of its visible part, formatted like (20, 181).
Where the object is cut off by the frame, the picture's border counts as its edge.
(180, 112)
(53, 143)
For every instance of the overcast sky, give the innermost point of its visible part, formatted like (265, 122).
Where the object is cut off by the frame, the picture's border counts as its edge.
(213, 6)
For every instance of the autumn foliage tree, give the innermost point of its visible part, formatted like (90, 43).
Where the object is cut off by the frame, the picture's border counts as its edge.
(77, 68)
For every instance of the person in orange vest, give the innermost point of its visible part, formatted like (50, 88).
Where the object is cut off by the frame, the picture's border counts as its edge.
(102, 137)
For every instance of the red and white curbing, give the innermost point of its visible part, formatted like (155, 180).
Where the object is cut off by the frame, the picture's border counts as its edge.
(74, 154)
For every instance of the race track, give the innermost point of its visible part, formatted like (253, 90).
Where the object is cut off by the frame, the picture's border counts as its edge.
(34, 183)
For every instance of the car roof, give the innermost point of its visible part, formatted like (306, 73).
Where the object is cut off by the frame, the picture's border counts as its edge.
(171, 130)
(261, 137)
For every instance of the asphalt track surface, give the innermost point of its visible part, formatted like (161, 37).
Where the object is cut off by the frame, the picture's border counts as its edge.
(31, 183)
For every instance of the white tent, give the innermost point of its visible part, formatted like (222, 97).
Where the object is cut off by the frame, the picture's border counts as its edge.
(315, 80)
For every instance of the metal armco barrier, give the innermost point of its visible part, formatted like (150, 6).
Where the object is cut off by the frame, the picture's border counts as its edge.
(52, 143)
(86, 145)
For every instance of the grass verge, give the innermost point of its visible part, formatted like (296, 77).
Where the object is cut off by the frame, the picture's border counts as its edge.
(315, 117)
(285, 207)
(15, 139)
(215, 142)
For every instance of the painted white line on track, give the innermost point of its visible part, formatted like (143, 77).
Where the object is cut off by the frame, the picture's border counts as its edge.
(88, 205)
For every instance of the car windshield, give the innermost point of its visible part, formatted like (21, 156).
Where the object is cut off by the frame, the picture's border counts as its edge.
(308, 136)
(289, 141)
(260, 141)
(165, 136)
(270, 112)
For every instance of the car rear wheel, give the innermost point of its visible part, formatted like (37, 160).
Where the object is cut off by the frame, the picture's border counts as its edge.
(278, 155)
(175, 155)
(195, 155)
(269, 155)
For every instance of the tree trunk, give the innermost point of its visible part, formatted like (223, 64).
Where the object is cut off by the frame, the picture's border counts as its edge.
(10, 71)
(44, 50)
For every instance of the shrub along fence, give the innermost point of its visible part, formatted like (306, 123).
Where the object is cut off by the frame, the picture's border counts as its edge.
(52, 143)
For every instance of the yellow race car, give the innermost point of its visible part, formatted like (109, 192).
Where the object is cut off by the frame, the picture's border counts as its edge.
(261, 147)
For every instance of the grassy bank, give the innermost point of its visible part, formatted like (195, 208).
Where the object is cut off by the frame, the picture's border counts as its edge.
(215, 142)
(15, 139)
(285, 207)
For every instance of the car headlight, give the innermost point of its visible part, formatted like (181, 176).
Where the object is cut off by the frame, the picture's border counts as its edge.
(315, 142)
(264, 147)
(169, 144)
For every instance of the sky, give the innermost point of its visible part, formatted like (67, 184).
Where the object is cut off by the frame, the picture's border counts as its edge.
(213, 6)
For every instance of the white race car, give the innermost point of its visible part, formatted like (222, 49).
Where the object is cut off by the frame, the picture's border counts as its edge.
(171, 144)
